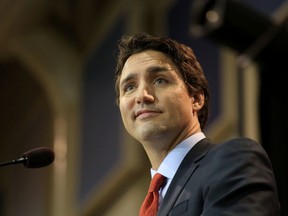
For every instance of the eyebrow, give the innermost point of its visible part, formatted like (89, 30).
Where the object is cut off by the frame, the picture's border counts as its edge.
(155, 69)
(152, 69)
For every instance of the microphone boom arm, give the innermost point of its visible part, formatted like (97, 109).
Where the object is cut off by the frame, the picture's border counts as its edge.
(13, 162)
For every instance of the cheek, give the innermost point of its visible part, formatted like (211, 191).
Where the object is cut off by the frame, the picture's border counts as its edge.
(124, 110)
(181, 104)
(180, 97)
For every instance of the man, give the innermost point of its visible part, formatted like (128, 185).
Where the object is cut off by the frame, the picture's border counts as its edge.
(163, 98)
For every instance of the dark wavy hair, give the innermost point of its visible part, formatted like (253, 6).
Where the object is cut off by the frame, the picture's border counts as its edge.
(183, 57)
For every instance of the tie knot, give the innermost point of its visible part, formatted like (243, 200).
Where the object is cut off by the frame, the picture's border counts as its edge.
(156, 182)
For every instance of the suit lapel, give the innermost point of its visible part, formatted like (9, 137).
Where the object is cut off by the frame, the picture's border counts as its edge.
(184, 172)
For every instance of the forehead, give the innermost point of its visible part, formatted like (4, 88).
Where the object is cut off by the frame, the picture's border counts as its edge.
(143, 60)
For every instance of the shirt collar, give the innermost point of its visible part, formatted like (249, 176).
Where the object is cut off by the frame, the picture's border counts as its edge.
(172, 161)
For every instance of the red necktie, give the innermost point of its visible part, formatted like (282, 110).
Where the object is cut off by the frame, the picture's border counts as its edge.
(150, 204)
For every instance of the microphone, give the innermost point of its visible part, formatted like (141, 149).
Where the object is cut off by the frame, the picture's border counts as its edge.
(35, 158)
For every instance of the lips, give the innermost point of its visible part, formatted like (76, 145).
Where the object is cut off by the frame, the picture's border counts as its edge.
(142, 112)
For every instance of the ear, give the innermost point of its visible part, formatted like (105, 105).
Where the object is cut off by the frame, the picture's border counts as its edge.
(197, 101)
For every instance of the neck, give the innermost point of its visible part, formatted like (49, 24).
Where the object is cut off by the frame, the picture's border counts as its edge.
(158, 149)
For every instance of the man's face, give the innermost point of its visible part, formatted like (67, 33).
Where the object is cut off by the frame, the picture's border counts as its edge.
(154, 101)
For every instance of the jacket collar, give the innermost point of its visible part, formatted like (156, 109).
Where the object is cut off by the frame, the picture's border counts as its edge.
(185, 170)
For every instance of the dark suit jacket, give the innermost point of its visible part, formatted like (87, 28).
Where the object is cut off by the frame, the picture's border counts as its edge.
(229, 179)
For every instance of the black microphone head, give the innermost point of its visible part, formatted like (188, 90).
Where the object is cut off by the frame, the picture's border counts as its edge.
(38, 157)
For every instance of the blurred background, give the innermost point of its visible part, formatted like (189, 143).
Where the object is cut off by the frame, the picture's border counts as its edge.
(57, 62)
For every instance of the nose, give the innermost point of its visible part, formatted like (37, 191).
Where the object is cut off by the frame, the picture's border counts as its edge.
(144, 94)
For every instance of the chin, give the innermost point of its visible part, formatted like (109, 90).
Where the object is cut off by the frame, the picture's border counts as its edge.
(151, 131)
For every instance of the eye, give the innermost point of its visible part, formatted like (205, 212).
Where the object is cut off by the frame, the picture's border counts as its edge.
(160, 80)
(128, 88)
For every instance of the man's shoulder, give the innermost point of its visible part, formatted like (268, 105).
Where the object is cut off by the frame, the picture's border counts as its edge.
(238, 143)
(238, 146)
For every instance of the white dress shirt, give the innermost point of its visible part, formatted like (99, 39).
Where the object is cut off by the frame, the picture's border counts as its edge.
(172, 161)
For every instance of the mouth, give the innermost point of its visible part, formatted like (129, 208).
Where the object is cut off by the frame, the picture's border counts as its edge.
(146, 113)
